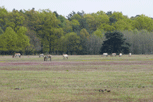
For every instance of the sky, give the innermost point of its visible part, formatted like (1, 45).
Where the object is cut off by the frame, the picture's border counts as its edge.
(65, 7)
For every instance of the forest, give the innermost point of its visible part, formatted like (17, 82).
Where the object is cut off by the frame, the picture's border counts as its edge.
(79, 33)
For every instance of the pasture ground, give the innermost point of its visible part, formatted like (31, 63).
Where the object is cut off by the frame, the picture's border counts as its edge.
(78, 79)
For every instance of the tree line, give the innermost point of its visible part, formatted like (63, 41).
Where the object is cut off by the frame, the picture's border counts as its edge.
(44, 31)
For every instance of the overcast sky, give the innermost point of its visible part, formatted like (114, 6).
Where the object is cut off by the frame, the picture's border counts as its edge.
(64, 7)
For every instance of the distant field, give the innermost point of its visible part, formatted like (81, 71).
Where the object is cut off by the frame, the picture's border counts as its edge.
(85, 78)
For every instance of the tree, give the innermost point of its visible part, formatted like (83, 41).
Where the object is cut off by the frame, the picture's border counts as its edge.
(144, 22)
(93, 44)
(8, 40)
(32, 20)
(118, 15)
(91, 21)
(141, 41)
(23, 40)
(101, 18)
(50, 30)
(84, 36)
(115, 43)
(75, 25)
(70, 15)
(35, 44)
(11, 41)
(99, 33)
(1, 31)
(76, 17)
(56, 14)
(84, 33)
(67, 26)
(3, 18)
(122, 25)
(72, 42)
(15, 20)
(62, 20)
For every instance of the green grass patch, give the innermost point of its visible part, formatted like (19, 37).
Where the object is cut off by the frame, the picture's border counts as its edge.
(81, 83)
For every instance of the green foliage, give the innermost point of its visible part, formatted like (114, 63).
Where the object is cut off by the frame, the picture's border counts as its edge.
(99, 33)
(12, 41)
(106, 27)
(32, 19)
(35, 44)
(3, 18)
(62, 20)
(91, 21)
(8, 40)
(23, 40)
(141, 41)
(1, 31)
(15, 20)
(101, 18)
(72, 42)
(84, 33)
(93, 44)
(76, 17)
(75, 25)
(48, 31)
(115, 43)
(121, 25)
(75, 22)
(144, 22)
(118, 15)
(67, 26)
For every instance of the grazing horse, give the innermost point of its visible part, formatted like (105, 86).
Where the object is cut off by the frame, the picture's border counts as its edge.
(113, 54)
(65, 56)
(41, 55)
(120, 54)
(105, 54)
(130, 54)
(16, 54)
(47, 56)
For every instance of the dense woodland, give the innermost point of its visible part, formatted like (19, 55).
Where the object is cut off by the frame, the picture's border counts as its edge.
(44, 31)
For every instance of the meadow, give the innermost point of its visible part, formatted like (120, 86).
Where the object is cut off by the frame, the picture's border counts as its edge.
(80, 78)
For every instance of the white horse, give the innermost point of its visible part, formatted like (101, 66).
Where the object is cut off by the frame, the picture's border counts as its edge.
(105, 54)
(65, 56)
(16, 54)
(130, 54)
(41, 55)
(120, 54)
(47, 56)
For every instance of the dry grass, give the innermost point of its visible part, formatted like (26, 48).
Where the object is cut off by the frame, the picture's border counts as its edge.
(30, 79)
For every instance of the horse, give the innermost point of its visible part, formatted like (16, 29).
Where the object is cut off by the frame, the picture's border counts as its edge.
(16, 54)
(41, 55)
(130, 54)
(47, 56)
(113, 54)
(120, 54)
(65, 56)
(105, 54)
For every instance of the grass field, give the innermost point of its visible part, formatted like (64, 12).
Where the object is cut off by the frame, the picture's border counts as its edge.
(87, 78)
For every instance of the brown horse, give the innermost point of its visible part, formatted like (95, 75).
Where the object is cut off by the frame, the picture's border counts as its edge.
(47, 56)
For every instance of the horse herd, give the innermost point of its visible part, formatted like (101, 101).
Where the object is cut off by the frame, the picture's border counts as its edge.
(114, 54)
(46, 57)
